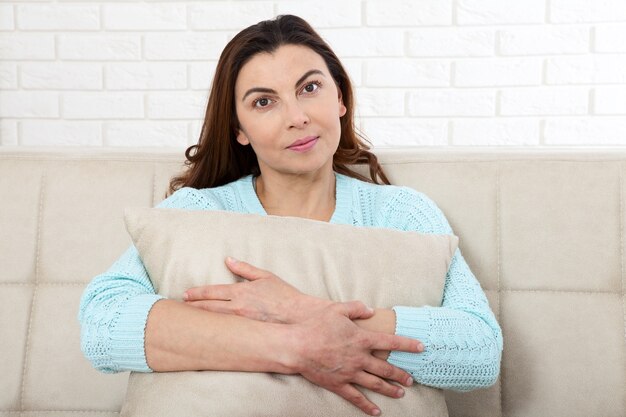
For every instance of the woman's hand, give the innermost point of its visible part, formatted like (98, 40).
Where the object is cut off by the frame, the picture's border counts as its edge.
(336, 354)
(331, 350)
(263, 296)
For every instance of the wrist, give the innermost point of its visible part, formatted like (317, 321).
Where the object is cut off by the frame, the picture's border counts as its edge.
(307, 306)
(383, 321)
(288, 348)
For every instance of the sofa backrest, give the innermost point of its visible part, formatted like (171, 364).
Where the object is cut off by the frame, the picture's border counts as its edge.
(542, 230)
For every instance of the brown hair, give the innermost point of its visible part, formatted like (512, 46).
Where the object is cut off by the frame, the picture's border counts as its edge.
(218, 158)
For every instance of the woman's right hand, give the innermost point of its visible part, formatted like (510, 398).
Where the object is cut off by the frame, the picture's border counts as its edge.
(336, 354)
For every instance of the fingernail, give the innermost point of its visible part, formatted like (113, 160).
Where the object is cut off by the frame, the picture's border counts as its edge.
(376, 412)
(420, 347)
(231, 261)
(370, 309)
(400, 392)
(185, 296)
(409, 382)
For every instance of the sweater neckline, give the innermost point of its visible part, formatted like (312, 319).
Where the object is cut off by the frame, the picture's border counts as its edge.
(343, 198)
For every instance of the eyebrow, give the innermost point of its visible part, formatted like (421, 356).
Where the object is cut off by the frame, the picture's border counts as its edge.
(270, 91)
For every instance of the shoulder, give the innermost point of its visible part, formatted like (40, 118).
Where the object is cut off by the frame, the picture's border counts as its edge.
(223, 197)
(416, 211)
(405, 208)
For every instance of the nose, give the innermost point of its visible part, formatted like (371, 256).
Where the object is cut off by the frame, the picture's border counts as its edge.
(296, 116)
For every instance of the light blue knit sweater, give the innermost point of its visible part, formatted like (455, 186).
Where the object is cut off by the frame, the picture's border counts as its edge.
(462, 339)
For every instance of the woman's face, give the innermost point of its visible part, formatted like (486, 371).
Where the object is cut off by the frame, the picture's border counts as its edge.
(288, 107)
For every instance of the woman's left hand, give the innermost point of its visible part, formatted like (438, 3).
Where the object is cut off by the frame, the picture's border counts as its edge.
(263, 296)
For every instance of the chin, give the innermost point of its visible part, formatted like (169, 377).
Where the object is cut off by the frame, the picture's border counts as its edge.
(302, 169)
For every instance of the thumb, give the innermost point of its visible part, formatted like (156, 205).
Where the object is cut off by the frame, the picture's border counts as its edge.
(244, 269)
(356, 310)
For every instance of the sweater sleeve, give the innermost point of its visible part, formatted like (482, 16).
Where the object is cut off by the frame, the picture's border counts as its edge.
(114, 306)
(462, 339)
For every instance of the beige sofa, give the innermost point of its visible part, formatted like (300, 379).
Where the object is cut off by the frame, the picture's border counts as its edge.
(543, 231)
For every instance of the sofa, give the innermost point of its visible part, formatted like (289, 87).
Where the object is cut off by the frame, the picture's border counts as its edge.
(542, 230)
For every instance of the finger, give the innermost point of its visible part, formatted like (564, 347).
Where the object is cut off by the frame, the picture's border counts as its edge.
(379, 385)
(246, 270)
(383, 341)
(384, 369)
(356, 397)
(356, 310)
(210, 292)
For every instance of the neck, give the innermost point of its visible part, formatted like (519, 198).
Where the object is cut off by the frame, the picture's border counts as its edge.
(311, 196)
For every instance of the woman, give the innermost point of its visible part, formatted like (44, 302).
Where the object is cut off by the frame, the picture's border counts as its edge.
(277, 139)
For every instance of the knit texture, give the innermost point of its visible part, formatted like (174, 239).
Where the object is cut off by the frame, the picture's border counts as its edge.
(462, 339)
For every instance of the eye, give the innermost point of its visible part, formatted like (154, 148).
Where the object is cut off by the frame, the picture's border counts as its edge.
(312, 87)
(261, 102)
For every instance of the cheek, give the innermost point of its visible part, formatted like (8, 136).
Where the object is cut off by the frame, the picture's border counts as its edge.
(327, 110)
(262, 130)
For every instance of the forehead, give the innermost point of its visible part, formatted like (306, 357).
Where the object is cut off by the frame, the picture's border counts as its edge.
(284, 66)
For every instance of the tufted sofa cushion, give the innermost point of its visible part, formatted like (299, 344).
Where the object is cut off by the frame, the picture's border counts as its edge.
(542, 230)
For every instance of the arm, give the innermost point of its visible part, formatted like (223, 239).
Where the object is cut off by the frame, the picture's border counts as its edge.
(119, 308)
(462, 338)
(463, 341)
(114, 308)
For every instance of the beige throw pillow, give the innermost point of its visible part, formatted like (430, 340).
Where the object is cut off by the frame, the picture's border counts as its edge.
(381, 267)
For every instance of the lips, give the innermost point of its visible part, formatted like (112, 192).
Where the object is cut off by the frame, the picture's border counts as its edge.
(302, 141)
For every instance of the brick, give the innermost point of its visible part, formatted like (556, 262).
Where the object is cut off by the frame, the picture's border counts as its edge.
(544, 101)
(20, 104)
(103, 105)
(452, 103)
(365, 42)
(579, 11)
(408, 13)
(228, 15)
(100, 47)
(190, 105)
(451, 42)
(610, 100)
(594, 69)
(495, 132)
(393, 132)
(324, 14)
(58, 17)
(585, 131)
(61, 76)
(498, 72)
(146, 76)
(379, 102)
(354, 68)
(610, 38)
(7, 19)
(8, 133)
(194, 129)
(188, 47)
(536, 40)
(145, 133)
(201, 75)
(145, 16)
(8, 76)
(26, 46)
(488, 12)
(406, 73)
(60, 132)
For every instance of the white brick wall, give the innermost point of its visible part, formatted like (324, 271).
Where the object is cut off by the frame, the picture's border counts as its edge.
(144, 16)
(497, 12)
(57, 17)
(451, 73)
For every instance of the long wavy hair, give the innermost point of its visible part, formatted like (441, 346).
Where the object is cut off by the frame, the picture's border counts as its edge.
(218, 158)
